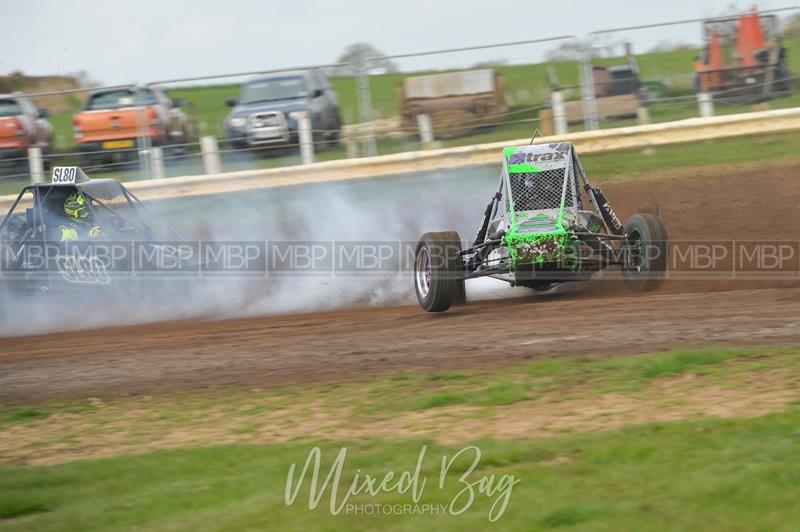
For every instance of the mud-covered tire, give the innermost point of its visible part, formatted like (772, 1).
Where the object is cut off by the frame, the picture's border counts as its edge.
(645, 252)
(438, 279)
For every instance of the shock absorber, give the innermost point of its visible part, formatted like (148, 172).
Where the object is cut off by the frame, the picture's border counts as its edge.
(487, 216)
(606, 211)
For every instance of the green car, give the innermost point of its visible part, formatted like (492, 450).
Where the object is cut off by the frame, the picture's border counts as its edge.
(545, 225)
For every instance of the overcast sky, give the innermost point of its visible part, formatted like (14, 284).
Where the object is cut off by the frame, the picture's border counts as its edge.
(145, 40)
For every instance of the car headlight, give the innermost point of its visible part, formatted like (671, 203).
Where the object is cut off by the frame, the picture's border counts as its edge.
(237, 121)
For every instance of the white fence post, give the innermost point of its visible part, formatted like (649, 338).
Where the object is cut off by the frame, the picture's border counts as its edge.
(425, 129)
(306, 137)
(36, 165)
(352, 148)
(706, 104)
(590, 118)
(157, 160)
(210, 150)
(365, 106)
(642, 115)
(559, 113)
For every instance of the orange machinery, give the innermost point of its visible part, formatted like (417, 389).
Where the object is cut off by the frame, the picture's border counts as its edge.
(743, 58)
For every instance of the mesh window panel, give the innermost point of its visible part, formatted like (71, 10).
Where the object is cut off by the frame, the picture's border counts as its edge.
(114, 203)
(540, 190)
(119, 216)
(118, 204)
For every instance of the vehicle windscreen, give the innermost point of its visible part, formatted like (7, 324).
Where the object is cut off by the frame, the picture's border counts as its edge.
(9, 108)
(119, 99)
(267, 90)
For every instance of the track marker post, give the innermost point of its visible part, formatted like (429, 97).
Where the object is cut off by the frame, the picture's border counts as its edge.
(210, 150)
(351, 147)
(157, 162)
(306, 137)
(559, 113)
(706, 104)
(36, 164)
(642, 115)
(425, 129)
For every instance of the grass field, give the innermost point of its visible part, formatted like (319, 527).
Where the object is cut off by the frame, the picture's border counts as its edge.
(684, 439)
(526, 86)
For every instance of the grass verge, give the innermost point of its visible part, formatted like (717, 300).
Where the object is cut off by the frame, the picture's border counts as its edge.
(675, 440)
(702, 474)
(542, 398)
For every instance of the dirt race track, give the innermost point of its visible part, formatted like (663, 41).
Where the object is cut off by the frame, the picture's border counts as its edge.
(594, 318)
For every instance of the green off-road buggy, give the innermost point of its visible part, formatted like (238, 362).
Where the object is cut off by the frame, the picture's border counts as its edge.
(546, 225)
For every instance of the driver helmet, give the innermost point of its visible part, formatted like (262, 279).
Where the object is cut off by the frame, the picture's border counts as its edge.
(76, 207)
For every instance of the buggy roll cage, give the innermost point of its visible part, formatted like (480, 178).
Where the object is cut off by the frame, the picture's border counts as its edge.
(41, 193)
(574, 179)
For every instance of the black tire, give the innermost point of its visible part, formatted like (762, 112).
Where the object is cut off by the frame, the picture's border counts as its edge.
(460, 296)
(645, 252)
(438, 279)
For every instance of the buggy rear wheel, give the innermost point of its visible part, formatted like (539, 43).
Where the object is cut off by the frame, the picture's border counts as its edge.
(645, 253)
(438, 278)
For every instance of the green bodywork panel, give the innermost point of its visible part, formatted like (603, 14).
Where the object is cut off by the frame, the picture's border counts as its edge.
(523, 168)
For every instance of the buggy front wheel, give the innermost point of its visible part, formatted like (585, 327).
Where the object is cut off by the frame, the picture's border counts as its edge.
(438, 277)
(645, 253)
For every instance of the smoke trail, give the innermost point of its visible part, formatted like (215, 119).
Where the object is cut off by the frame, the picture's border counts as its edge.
(392, 209)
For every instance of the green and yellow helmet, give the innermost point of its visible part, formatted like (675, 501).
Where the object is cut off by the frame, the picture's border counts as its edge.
(76, 207)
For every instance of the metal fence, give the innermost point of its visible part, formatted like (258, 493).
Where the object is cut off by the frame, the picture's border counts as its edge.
(672, 83)
(601, 83)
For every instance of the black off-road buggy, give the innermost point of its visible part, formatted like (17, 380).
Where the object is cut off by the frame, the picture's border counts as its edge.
(539, 231)
(35, 259)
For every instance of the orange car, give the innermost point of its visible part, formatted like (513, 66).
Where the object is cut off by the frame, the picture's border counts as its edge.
(113, 120)
(22, 126)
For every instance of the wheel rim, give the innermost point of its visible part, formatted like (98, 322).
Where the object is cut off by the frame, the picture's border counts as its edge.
(422, 272)
(635, 255)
